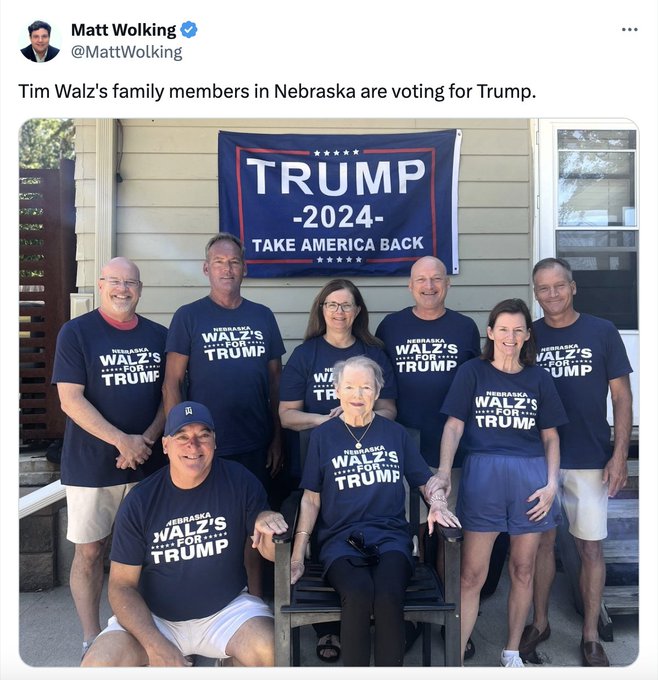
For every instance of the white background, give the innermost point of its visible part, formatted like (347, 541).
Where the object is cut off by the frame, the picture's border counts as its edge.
(572, 53)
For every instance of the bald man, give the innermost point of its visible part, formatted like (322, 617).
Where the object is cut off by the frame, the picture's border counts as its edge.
(108, 371)
(426, 343)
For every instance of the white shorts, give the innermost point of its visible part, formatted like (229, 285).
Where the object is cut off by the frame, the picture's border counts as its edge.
(210, 635)
(91, 511)
(584, 499)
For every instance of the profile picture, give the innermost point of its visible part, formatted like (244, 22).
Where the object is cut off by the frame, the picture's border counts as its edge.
(39, 49)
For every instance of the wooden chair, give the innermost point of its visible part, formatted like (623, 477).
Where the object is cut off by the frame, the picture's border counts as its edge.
(312, 600)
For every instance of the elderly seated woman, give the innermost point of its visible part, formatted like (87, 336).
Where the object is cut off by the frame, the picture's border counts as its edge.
(354, 490)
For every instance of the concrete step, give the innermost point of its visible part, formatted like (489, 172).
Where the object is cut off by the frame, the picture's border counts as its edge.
(34, 469)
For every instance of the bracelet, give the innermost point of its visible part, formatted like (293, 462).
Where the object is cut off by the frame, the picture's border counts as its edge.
(437, 498)
(296, 562)
(302, 532)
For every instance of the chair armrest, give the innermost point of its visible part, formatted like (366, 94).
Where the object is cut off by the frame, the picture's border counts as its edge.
(449, 534)
(282, 550)
(289, 509)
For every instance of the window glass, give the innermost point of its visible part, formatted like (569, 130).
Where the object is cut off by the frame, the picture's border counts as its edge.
(596, 191)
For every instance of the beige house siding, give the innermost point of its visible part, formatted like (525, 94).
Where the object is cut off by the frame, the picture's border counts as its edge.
(167, 208)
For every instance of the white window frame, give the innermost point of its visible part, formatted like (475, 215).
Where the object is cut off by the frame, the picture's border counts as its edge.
(546, 180)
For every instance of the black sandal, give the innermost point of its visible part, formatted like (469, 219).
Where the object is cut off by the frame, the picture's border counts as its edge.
(326, 643)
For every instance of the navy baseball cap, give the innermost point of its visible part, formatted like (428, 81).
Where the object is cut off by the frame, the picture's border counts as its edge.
(185, 413)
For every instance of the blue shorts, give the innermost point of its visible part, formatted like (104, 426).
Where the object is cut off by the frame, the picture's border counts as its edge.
(493, 494)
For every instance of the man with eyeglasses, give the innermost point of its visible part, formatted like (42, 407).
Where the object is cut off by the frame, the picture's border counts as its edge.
(586, 357)
(108, 371)
(225, 352)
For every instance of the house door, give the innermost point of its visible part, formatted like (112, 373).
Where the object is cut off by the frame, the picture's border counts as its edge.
(587, 176)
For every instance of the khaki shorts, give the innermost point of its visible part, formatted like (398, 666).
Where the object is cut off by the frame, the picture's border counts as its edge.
(210, 635)
(91, 511)
(584, 499)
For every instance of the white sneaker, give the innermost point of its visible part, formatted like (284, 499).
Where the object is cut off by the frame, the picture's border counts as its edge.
(511, 661)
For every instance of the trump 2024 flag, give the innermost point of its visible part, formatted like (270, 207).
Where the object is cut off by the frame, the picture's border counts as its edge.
(340, 205)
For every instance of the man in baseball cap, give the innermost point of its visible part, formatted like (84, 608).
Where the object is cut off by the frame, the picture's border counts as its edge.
(185, 413)
(187, 525)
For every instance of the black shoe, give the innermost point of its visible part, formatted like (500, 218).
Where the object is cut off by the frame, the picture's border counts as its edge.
(412, 632)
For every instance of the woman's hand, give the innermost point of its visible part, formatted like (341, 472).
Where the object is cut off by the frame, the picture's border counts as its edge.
(544, 498)
(438, 483)
(296, 571)
(439, 513)
(335, 412)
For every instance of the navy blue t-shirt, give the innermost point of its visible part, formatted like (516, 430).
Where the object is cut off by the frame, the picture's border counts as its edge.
(122, 373)
(229, 351)
(503, 412)
(425, 356)
(362, 489)
(189, 542)
(583, 358)
(308, 374)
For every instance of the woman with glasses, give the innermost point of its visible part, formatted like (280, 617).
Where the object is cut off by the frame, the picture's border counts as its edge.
(337, 330)
(508, 410)
(354, 492)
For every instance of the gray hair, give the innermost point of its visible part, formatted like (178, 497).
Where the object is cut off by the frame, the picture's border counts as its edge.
(360, 361)
(550, 262)
(225, 236)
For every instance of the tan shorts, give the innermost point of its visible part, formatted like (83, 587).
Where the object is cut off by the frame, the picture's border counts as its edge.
(584, 499)
(91, 511)
(210, 635)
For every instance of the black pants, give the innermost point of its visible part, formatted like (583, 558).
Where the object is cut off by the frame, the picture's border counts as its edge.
(378, 591)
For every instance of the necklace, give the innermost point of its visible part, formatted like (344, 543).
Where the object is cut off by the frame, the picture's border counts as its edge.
(358, 444)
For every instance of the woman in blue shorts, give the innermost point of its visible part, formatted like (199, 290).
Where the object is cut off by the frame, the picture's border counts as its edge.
(508, 411)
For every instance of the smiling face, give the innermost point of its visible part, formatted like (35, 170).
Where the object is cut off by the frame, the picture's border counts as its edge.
(40, 40)
(429, 284)
(508, 334)
(342, 318)
(554, 291)
(357, 391)
(190, 452)
(224, 268)
(120, 289)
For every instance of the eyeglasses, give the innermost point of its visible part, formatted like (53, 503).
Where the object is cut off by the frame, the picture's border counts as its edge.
(344, 306)
(370, 553)
(115, 283)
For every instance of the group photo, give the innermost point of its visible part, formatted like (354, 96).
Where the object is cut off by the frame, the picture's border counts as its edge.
(329, 392)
